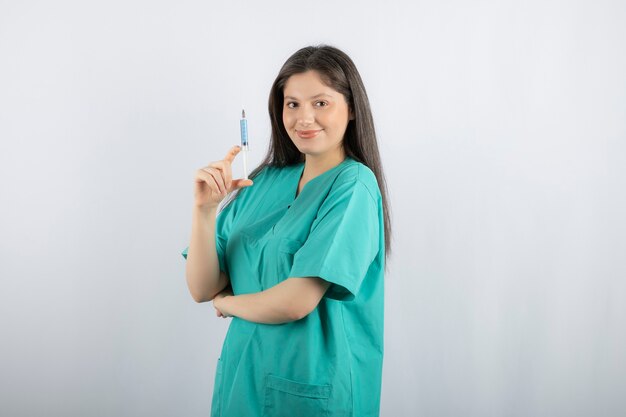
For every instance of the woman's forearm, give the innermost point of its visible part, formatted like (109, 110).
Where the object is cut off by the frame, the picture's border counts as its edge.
(202, 270)
(290, 300)
(271, 306)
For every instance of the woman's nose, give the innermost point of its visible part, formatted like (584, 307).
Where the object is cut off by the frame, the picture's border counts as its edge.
(305, 115)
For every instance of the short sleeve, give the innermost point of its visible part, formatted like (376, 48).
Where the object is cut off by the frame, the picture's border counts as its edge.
(223, 226)
(343, 241)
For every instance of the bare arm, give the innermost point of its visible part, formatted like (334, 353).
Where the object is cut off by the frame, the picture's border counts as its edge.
(204, 277)
(212, 184)
(291, 300)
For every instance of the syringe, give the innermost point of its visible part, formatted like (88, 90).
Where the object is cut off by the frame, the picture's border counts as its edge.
(244, 142)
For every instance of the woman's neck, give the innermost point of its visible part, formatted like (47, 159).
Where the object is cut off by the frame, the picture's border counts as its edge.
(315, 165)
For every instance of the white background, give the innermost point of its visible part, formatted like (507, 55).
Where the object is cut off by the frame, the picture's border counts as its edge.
(502, 130)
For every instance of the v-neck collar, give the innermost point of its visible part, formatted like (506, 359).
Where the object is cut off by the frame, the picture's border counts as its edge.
(300, 170)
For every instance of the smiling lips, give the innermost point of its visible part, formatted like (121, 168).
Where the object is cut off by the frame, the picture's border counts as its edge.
(308, 134)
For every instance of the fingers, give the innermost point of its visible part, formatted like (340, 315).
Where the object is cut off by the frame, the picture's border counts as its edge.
(225, 177)
(213, 178)
(241, 183)
(218, 175)
(225, 170)
(232, 153)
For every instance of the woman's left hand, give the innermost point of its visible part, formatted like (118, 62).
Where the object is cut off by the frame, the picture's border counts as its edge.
(217, 302)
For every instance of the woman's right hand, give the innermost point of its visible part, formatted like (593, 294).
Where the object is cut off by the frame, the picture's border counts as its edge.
(215, 181)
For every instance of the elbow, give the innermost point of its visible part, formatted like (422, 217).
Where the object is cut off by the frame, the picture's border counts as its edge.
(300, 307)
(296, 313)
(203, 298)
(302, 301)
(199, 297)
(199, 293)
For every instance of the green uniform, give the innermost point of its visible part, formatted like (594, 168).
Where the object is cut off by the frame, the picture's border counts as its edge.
(330, 362)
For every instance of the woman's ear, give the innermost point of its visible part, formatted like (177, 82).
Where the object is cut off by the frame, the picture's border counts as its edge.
(351, 115)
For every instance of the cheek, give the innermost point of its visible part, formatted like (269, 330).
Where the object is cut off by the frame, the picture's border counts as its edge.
(286, 119)
(334, 118)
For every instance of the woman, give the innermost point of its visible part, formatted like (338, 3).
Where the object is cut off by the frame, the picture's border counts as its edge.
(299, 253)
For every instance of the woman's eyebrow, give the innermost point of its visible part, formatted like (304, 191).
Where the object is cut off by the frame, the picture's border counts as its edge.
(315, 96)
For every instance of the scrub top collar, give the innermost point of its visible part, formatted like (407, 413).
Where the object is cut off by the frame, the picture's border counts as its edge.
(300, 169)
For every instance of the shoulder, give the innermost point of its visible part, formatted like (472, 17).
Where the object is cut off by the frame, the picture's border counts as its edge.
(260, 180)
(267, 178)
(263, 173)
(266, 175)
(358, 175)
(271, 171)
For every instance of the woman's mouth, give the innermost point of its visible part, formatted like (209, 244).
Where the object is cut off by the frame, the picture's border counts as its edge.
(307, 134)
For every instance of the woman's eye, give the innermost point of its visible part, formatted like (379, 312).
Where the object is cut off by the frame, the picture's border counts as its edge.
(293, 105)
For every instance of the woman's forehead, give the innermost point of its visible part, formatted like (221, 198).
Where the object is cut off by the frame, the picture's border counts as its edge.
(307, 85)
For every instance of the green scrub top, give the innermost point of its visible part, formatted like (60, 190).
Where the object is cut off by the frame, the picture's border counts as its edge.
(330, 362)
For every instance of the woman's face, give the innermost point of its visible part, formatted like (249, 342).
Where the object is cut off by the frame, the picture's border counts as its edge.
(315, 116)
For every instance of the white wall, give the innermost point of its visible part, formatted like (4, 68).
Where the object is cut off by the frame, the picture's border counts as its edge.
(503, 134)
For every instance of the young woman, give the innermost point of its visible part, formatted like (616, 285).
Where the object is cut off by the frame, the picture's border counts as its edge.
(297, 257)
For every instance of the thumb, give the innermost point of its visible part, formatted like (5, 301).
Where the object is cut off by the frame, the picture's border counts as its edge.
(241, 183)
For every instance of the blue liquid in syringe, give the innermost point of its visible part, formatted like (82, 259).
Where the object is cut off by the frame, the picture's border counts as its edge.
(244, 129)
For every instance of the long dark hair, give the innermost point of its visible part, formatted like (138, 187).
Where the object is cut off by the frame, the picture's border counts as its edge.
(337, 71)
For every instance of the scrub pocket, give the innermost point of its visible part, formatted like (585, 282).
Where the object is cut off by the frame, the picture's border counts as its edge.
(216, 404)
(284, 259)
(286, 398)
